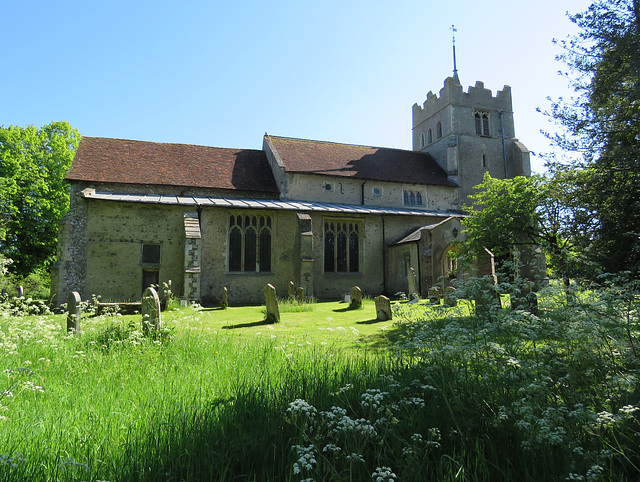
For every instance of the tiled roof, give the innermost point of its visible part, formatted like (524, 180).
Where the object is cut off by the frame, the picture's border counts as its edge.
(136, 162)
(359, 162)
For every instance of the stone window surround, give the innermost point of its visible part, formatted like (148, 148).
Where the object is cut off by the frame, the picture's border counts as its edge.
(418, 196)
(263, 226)
(347, 264)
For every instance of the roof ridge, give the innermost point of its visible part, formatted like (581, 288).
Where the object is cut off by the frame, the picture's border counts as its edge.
(344, 144)
(169, 143)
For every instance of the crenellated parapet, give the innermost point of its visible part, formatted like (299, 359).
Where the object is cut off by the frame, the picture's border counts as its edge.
(476, 96)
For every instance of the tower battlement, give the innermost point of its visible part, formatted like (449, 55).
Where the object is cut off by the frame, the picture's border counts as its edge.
(477, 96)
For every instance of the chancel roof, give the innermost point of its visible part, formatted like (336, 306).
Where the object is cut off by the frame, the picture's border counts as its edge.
(359, 162)
(123, 161)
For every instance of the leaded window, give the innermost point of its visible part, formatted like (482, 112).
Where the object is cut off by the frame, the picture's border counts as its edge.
(482, 123)
(250, 239)
(342, 241)
(412, 198)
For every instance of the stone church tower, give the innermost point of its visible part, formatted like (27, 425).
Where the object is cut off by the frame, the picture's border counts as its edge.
(469, 133)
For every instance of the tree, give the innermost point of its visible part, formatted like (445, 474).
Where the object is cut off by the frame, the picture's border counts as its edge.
(33, 193)
(518, 215)
(602, 124)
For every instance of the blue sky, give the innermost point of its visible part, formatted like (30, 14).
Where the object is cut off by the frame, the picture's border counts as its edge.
(224, 73)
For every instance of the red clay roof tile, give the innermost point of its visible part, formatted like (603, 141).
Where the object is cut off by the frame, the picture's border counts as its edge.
(137, 162)
(360, 162)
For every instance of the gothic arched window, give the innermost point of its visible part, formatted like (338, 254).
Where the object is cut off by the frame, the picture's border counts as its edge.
(482, 123)
(250, 243)
(439, 130)
(342, 246)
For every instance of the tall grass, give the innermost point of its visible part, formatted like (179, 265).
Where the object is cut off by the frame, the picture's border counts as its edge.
(199, 406)
(456, 397)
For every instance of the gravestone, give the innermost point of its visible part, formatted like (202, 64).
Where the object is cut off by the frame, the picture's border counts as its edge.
(20, 292)
(356, 297)
(434, 295)
(449, 296)
(150, 311)
(412, 281)
(74, 312)
(300, 295)
(383, 308)
(271, 302)
(292, 289)
(225, 298)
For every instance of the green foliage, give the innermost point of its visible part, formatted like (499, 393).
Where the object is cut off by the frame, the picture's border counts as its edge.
(456, 397)
(503, 214)
(510, 215)
(601, 123)
(33, 193)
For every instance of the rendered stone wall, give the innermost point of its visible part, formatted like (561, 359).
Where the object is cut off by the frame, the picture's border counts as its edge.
(357, 192)
(246, 287)
(116, 232)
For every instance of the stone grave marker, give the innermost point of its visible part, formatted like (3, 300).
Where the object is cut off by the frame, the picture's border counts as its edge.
(292, 289)
(300, 295)
(225, 298)
(450, 296)
(74, 312)
(356, 297)
(20, 292)
(151, 317)
(383, 308)
(412, 281)
(271, 302)
(434, 295)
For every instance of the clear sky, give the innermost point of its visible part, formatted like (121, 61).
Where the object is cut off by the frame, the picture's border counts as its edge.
(224, 73)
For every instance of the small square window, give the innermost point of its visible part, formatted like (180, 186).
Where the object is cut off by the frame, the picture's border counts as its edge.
(151, 253)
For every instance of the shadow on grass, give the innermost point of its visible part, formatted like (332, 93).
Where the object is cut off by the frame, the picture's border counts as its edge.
(247, 325)
(370, 322)
(342, 310)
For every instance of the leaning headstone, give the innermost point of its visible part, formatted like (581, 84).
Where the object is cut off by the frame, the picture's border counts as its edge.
(225, 298)
(356, 297)
(74, 312)
(271, 302)
(449, 296)
(434, 295)
(383, 308)
(300, 295)
(20, 292)
(150, 311)
(291, 289)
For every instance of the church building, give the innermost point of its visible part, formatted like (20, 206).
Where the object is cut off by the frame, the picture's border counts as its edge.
(323, 215)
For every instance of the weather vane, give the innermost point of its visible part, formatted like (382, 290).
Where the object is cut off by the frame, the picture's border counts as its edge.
(453, 39)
